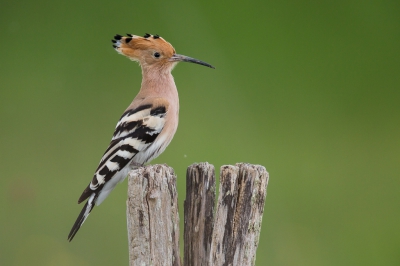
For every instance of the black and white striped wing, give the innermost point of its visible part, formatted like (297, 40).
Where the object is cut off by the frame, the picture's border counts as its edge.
(135, 132)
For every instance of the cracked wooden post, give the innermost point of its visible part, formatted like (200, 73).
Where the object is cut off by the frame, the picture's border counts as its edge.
(152, 216)
(242, 193)
(227, 236)
(199, 213)
(232, 238)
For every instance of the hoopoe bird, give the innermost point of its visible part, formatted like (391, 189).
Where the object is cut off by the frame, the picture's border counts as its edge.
(148, 124)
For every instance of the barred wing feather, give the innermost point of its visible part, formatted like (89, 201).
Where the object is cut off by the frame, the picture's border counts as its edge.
(135, 132)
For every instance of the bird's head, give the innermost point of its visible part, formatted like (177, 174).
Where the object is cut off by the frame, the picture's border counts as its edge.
(151, 51)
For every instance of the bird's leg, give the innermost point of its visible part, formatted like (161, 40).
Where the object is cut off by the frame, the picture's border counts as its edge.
(136, 165)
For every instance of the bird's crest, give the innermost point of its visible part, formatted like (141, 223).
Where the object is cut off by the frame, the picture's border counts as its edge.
(133, 46)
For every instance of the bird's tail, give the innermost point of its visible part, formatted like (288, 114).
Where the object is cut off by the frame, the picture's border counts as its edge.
(82, 216)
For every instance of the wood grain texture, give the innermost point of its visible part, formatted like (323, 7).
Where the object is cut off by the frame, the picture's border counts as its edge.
(152, 216)
(227, 236)
(242, 193)
(199, 213)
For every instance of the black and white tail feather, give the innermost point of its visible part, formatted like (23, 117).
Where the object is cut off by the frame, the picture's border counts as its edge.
(136, 140)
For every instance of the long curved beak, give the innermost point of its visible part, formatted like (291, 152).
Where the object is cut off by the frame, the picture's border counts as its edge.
(184, 58)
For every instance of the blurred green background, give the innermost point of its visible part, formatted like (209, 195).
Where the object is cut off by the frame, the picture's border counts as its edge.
(308, 89)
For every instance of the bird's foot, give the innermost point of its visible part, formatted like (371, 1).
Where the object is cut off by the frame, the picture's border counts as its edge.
(136, 165)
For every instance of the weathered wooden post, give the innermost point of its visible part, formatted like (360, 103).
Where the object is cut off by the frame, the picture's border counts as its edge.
(152, 216)
(227, 236)
(199, 213)
(242, 193)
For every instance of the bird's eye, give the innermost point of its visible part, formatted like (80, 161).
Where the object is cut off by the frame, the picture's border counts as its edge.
(157, 55)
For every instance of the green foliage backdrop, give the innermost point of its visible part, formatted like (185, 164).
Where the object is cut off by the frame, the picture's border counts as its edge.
(308, 89)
